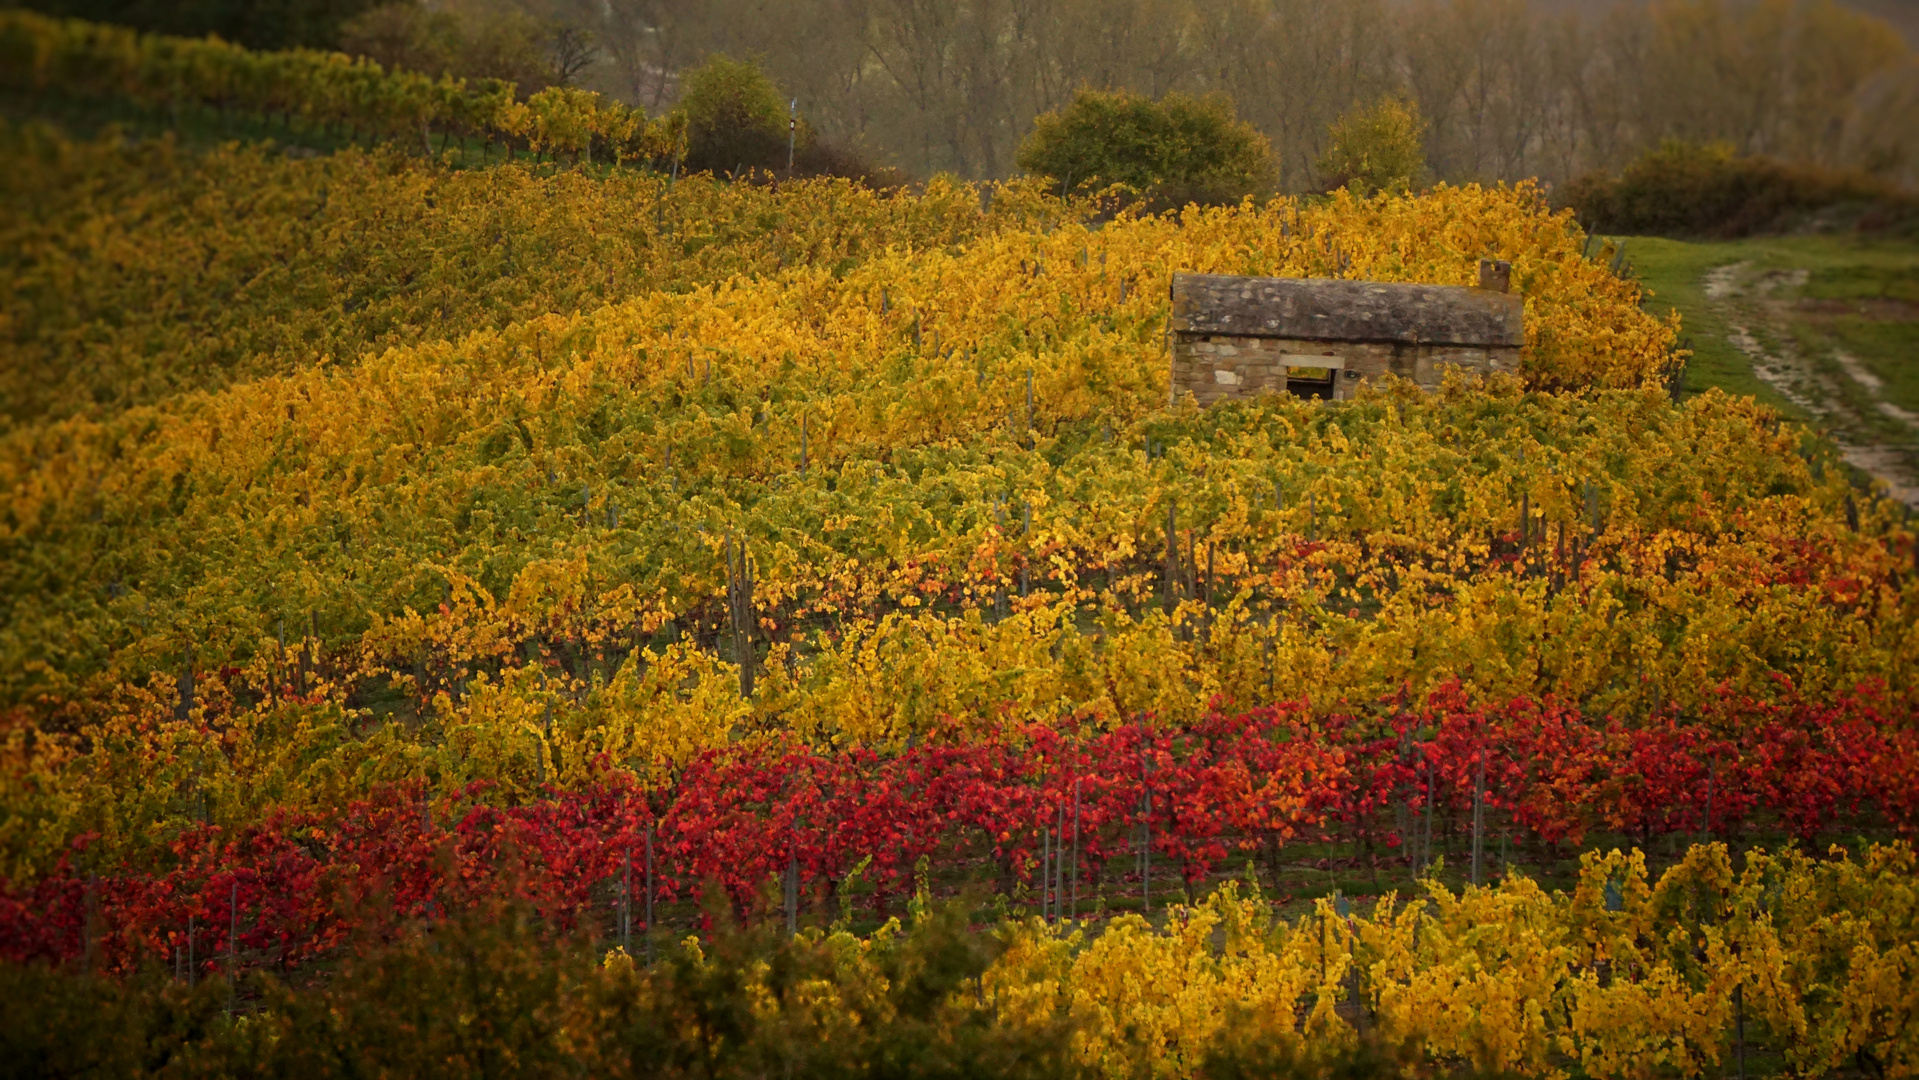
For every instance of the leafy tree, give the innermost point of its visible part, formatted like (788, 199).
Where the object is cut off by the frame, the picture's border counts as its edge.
(734, 117)
(1172, 151)
(1376, 148)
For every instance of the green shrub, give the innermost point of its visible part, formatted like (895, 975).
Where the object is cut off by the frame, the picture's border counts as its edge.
(736, 120)
(735, 117)
(1177, 150)
(1683, 190)
(1376, 149)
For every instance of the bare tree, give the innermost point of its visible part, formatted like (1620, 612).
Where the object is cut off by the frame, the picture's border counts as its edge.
(1507, 90)
(572, 49)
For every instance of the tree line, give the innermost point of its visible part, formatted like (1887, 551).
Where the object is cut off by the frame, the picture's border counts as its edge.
(1504, 88)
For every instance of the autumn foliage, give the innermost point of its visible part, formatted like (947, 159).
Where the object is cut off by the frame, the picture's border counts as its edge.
(641, 543)
(1200, 796)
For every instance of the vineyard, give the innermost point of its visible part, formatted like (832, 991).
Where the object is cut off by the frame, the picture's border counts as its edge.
(314, 89)
(608, 558)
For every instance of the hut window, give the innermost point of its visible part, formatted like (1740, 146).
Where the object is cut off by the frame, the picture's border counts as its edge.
(1312, 382)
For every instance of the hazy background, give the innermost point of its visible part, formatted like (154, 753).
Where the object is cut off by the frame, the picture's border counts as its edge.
(1903, 15)
(1508, 88)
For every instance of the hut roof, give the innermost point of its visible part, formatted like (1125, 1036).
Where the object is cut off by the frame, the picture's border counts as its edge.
(1327, 309)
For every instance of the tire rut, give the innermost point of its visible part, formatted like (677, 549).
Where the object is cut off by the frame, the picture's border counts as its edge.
(1747, 305)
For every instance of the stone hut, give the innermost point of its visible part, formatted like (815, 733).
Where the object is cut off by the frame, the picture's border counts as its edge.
(1321, 337)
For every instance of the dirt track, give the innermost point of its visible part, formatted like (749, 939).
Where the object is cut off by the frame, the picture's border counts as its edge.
(1756, 307)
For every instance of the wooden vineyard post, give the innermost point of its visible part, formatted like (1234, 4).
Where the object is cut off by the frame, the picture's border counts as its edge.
(1029, 405)
(426, 827)
(1050, 843)
(1075, 869)
(792, 134)
(1426, 860)
(183, 708)
(1044, 877)
(546, 742)
(1172, 562)
(649, 892)
(739, 606)
(1209, 576)
(233, 944)
(1189, 585)
(1026, 532)
(1418, 856)
(1712, 774)
(793, 890)
(1479, 812)
(1146, 822)
(999, 588)
(1059, 867)
(1525, 527)
(1403, 805)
